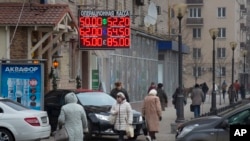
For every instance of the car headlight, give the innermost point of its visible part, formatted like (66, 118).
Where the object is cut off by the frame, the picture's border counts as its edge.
(186, 130)
(102, 117)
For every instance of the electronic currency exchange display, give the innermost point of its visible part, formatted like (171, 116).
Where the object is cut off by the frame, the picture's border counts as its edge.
(104, 29)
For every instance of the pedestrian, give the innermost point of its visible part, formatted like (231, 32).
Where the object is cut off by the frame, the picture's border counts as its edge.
(73, 118)
(118, 88)
(162, 96)
(151, 112)
(152, 86)
(124, 115)
(205, 89)
(224, 89)
(242, 91)
(231, 94)
(197, 97)
(237, 89)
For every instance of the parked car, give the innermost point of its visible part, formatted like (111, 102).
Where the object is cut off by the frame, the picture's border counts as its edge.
(19, 123)
(214, 128)
(97, 106)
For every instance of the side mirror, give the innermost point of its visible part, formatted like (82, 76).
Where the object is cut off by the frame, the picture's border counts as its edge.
(225, 124)
(1, 110)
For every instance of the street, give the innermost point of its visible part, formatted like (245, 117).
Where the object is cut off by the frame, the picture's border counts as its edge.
(168, 117)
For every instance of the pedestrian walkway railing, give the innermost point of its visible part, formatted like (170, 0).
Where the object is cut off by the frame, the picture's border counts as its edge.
(226, 108)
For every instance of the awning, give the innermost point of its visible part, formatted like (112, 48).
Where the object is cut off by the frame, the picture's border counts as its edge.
(172, 46)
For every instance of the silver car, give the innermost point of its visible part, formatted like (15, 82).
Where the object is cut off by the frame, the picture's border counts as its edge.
(214, 128)
(19, 123)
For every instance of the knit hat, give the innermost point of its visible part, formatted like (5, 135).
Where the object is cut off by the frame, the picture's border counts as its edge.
(152, 92)
(120, 94)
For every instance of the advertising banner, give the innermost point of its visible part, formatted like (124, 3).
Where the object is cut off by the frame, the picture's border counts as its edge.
(23, 83)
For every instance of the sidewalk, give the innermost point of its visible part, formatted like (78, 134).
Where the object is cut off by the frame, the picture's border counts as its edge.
(169, 116)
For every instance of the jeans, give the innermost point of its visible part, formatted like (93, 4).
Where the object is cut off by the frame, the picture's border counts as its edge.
(196, 111)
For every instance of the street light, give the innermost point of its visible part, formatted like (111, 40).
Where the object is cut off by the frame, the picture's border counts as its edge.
(244, 53)
(233, 46)
(213, 33)
(180, 10)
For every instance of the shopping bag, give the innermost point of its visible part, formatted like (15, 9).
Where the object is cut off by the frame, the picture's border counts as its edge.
(130, 131)
(112, 119)
(61, 135)
(191, 107)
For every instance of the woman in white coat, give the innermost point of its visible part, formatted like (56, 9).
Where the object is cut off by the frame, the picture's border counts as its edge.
(124, 116)
(73, 117)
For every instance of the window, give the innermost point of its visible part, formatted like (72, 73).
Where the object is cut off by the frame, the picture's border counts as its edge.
(221, 12)
(221, 52)
(196, 53)
(221, 72)
(196, 32)
(222, 33)
(240, 118)
(196, 71)
(194, 12)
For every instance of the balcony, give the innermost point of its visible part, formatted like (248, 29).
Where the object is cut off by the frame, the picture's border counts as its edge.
(194, 21)
(194, 2)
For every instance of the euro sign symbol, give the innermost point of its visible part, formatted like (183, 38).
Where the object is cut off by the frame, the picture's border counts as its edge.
(104, 42)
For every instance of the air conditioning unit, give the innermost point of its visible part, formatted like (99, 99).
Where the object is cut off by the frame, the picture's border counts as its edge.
(139, 2)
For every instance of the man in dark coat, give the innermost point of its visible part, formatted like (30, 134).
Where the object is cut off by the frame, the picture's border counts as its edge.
(118, 88)
(205, 89)
(162, 96)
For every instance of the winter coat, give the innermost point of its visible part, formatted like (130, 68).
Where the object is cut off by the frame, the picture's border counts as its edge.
(115, 91)
(151, 110)
(124, 115)
(73, 117)
(197, 96)
(163, 98)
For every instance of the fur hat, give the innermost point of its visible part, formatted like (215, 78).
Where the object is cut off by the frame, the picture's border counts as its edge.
(152, 92)
(121, 95)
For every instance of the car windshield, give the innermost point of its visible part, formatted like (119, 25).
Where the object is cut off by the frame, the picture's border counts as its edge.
(95, 99)
(14, 105)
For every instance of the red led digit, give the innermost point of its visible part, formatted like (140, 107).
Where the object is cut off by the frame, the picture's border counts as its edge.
(81, 32)
(109, 42)
(115, 21)
(99, 31)
(115, 41)
(126, 21)
(127, 31)
(81, 20)
(110, 21)
(121, 42)
(127, 42)
(109, 31)
(99, 21)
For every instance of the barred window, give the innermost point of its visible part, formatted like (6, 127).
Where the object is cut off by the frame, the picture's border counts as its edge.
(196, 53)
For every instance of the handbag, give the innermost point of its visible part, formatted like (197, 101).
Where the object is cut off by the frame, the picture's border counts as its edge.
(144, 128)
(130, 131)
(61, 135)
(191, 108)
(112, 119)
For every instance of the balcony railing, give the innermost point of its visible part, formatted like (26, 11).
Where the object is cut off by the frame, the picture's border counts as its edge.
(194, 2)
(194, 21)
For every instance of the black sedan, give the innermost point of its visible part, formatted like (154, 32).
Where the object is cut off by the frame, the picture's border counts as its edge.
(97, 106)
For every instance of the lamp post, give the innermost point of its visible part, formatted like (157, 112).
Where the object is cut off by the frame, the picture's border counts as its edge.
(213, 33)
(244, 57)
(54, 83)
(180, 10)
(233, 46)
(244, 75)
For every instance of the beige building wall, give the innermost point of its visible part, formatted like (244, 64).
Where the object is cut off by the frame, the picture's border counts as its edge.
(231, 22)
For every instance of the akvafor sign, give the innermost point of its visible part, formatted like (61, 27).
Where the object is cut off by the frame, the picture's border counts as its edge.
(23, 83)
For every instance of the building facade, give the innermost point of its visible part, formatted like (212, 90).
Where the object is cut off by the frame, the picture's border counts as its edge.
(229, 16)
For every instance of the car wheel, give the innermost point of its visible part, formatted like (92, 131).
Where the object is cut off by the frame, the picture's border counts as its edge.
(6, 135)
(88, 136)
